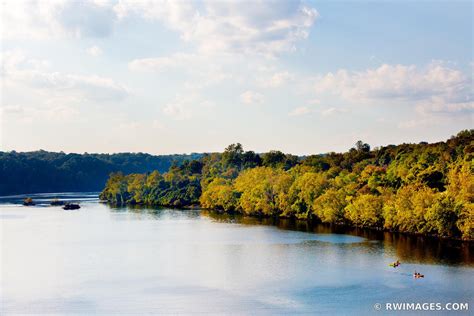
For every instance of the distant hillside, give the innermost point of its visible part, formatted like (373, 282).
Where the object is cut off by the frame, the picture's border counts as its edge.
(43, 171)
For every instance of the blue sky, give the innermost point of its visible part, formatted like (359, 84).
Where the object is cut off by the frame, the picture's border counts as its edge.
(175, 77)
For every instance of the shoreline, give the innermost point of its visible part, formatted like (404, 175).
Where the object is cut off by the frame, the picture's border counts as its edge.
(311, 221)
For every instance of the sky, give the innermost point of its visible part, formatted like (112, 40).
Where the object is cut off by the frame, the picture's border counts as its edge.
(162, 77)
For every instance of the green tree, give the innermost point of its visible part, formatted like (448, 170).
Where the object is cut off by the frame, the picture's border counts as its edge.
(365, 210)
(262, 190)
(220, 195)
(329, 206)
(303, 191)
(406, 211)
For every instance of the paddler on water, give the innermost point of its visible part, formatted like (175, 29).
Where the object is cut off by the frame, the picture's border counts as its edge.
(418, 275)
(395, 264)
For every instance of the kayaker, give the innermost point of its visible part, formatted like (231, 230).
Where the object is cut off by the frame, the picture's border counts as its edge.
(418, 275)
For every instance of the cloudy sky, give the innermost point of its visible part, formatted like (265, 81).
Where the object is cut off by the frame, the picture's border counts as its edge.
(175, 77)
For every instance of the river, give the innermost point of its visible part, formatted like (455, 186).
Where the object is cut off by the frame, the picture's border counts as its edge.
(105, 260)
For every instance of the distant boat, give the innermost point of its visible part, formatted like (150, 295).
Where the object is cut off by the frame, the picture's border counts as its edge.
(57, 202)
(28, 202)
(71, 206)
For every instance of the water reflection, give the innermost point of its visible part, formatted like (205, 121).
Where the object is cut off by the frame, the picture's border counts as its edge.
(409, 248)
(147, 212)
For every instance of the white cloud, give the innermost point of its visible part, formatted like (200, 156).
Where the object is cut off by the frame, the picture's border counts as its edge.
(252, 97)
(188, 106)
(333, 111)
(306, 110)
(33, 19)
(29, 19)
(300, 111)
(200, 70)
(160, 64)
(48, 112)
(94, 51)
(276, 80)
(90, 87)
(264, 27)
(181, 108)
(443, 106)
(177, 111)
(18, 70)
(423, 122)
(435, 87)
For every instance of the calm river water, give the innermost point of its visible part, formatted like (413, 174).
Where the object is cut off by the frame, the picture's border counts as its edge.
(103, 260)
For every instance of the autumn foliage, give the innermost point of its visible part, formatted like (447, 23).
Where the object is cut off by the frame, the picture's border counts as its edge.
(415, 188)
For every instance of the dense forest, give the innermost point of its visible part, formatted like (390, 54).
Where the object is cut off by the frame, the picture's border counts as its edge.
(415, 188)
(42, 171)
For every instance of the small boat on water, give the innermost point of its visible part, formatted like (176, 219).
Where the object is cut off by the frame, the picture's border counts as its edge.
(418, 275)
(395, 264)
(28, 202)
(56, 202)
(71, 206)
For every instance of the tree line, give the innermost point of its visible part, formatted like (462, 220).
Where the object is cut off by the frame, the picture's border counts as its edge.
(42, 171)
(416, 188)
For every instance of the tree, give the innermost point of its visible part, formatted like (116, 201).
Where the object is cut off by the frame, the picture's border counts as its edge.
(220, 195)
(251, 160)
(232, 155)
(460, 190)
(116, 189)
(365, 210)
(273, 159)
(135, 188)
(277, 159)
(406, 211)
(318, 162)
(304, 190)
(262, 190)
(360, 146)
(442, 216)
(329, 206)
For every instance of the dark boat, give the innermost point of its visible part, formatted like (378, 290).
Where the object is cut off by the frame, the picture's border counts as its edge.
(57, 202)
(71, 206)
(28, 202)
